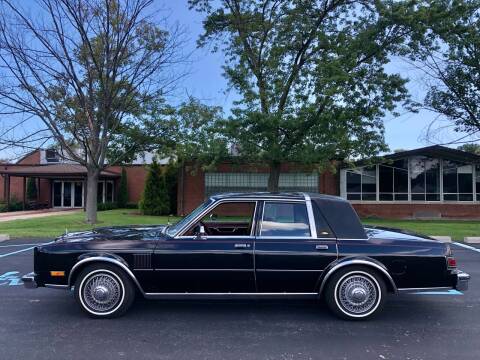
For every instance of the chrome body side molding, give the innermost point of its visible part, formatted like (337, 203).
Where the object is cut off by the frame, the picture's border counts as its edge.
(196, 296)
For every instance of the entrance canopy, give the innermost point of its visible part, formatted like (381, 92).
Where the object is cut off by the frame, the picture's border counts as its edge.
(57, 171)
(51, 172)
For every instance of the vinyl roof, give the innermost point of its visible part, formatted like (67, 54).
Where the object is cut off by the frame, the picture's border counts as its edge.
(276, 195)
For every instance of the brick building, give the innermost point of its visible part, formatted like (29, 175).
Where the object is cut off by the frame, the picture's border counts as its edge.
(430, 182)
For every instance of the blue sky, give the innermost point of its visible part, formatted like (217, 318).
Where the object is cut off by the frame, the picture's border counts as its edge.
(205, 81)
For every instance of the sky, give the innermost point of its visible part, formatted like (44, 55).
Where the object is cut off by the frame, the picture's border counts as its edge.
(205, 81)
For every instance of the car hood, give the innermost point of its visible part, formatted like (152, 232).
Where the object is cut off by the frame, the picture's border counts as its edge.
(134, 232)
(393, 233)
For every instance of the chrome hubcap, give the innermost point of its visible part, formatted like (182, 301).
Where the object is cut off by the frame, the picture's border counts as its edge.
(357, 294)
(102, 292)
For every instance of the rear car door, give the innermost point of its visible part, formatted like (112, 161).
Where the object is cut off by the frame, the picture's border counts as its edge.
(220, 260)
(291, 252)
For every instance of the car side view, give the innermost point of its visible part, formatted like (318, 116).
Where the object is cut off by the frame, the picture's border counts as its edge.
(244, 245)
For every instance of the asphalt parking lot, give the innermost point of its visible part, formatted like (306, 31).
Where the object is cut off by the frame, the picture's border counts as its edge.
(47, 324)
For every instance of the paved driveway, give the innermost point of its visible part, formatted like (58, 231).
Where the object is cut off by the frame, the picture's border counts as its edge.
(47, 324)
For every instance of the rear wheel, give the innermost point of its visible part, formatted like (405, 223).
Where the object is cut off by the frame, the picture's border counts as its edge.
(355, 293)
(104, 291)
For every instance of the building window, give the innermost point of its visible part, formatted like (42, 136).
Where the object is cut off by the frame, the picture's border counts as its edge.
(425, 179)
(362, 184)
(51, 155)
(219, 182)
(105, 192)
(393, 181)
(477, 172)
(457, 181)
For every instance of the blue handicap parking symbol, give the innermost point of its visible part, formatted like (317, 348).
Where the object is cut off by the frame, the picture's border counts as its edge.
(11, 278)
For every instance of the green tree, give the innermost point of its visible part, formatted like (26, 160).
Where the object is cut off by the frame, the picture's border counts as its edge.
(155, 199)
(122, 198)
(310, 75)
(471, 148)
(32, 189)
(450, 58)
(84, 69)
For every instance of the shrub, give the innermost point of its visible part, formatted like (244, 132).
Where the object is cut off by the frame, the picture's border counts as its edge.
(107, 206)
(122, 198)
(131, 205)
(155, 197)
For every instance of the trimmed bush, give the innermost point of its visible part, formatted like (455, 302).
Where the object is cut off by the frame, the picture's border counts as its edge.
(106, 206)
(155, 198)
(32, 189)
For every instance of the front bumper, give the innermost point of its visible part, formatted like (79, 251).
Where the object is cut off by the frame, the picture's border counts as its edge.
(29, 280)
(462, 281)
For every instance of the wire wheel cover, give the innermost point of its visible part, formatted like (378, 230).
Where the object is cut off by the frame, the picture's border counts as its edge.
(102, 292)
(357, 294)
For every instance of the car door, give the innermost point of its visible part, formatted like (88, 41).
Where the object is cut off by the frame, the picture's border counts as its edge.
(289, 254)
(219, 260)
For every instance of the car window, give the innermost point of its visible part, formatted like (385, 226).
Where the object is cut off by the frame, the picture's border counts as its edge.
(285, 219)
(323, 229)
(227, 219)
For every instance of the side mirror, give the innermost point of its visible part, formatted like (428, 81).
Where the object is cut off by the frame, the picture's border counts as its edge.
(200, 231)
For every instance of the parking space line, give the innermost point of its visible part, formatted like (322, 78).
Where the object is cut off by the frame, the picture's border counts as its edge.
(467, 246)
(20, 251)
(18, 245)
(448, 292)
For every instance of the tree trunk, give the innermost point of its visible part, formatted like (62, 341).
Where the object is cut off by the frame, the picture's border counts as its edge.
(92, 186)
(274, 176)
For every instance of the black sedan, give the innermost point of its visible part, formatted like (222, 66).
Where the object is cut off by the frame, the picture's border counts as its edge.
(248, 245)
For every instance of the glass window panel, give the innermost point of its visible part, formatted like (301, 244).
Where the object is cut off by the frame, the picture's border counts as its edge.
(369, 180)
(432, 176)
(401, 197)
(109, 193)
(100, 192)
(285, 219)
(450, 180)
(57, 193)
(354, 181)
(418, 197)
(465, 183)
(67, 194)
(386, 197)
(369, 196)
(401, 164)
(385, 174)
(465, 197)
(417, 175)
(353, 196)
(432, 197)
(477, 171)
(450, 197)
(227, 219)
(78, 192)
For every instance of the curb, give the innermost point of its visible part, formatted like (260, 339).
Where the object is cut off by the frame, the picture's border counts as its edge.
(472, 239)
(4, 237)
(444, 239)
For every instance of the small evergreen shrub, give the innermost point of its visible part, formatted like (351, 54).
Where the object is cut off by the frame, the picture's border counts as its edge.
(122, 198)
(155, 198)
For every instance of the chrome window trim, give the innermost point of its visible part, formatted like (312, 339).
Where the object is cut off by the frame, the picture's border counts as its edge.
(104, 259)
(180, 232)
(191, 237)
(311, 217)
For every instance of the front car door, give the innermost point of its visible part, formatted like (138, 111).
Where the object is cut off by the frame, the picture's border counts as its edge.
(218, 260)
(293, 246)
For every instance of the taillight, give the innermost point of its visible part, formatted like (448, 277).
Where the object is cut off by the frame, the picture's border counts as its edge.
(451, 262)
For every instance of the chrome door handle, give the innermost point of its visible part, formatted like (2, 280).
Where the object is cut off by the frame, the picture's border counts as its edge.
(321, 247)
(242, 246)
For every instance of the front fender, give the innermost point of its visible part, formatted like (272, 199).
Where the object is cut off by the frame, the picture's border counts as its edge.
(352, 261)
(99, 257)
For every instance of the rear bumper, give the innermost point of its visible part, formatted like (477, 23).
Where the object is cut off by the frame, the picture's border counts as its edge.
(29, 280)
(462, 281)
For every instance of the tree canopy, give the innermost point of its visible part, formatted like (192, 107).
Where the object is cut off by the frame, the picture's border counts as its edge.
(311, 75)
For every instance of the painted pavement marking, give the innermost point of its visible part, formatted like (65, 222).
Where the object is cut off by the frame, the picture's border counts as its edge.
(447, 292)
(467, 246)
(23, 250)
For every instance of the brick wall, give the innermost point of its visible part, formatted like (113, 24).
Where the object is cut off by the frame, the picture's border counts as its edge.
(191, 189)
(136, 175)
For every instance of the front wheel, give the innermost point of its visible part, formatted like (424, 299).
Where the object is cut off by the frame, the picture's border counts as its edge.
(104, 291)
(355, 293)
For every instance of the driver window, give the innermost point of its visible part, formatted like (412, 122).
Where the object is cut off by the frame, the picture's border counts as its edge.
(227, 219)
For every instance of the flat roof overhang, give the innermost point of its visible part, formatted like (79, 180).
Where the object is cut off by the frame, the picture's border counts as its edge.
(52, 171)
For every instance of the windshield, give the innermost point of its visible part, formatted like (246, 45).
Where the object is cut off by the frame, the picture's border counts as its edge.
(174, 229)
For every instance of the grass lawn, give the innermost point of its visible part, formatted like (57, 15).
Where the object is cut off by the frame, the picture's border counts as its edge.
(52, 226)
(457, 229)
